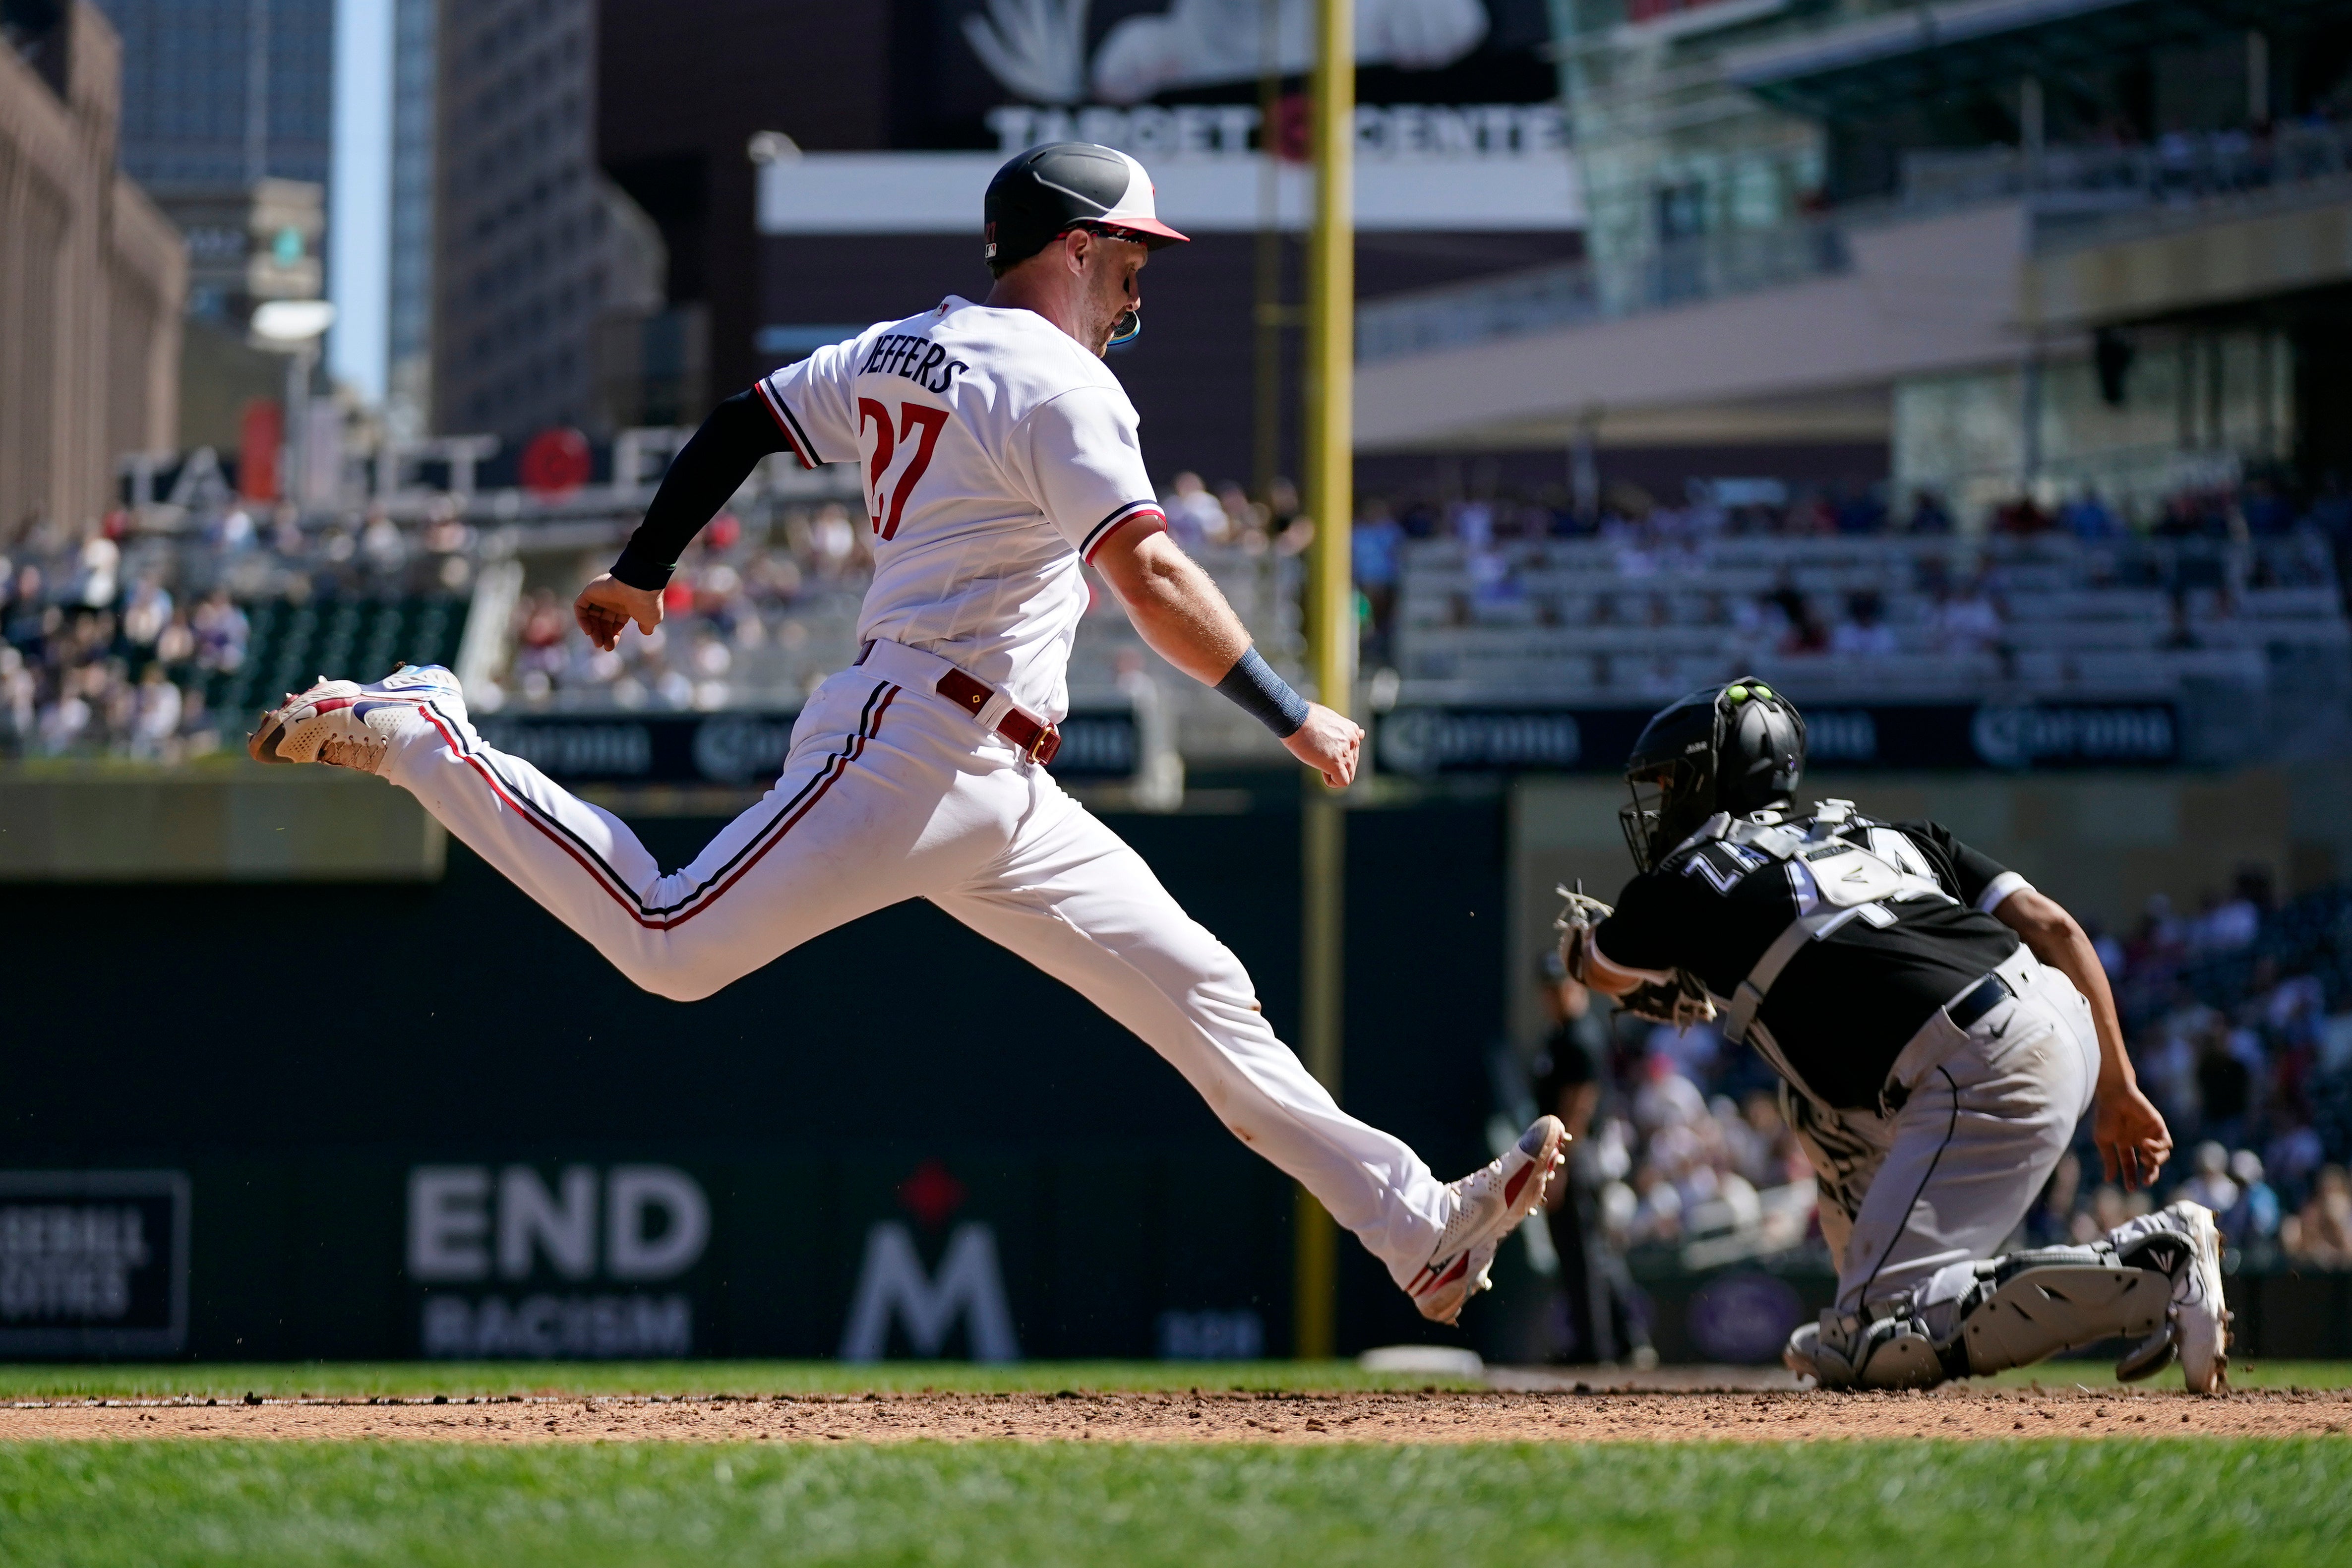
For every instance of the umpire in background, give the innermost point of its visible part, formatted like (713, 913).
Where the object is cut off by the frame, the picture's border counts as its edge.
(1604, 1317)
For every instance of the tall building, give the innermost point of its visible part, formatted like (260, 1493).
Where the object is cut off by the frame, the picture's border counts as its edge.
(229, 123)
(416, 79)
(91, 277)
(219, 95)
(539, 262)
(226, 92)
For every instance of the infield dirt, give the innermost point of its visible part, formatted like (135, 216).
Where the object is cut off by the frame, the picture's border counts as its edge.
(1213, 1417)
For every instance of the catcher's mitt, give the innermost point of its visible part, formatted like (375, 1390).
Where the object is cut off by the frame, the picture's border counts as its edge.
(1682, 1002)
(1575, 927)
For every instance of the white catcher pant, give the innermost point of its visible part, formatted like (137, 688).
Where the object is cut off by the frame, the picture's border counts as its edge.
(891, 792)
(1910, 1201)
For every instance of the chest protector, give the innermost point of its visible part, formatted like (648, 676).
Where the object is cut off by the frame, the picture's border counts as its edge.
(1832, 880)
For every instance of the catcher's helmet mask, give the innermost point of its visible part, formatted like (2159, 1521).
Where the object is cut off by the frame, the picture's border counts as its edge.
(1739, 748)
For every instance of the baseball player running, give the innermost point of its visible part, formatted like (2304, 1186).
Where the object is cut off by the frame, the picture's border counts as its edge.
(1938, 1027)
(997, 453)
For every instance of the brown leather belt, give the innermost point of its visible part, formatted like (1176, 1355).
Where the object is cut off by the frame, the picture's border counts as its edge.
(1038, 741)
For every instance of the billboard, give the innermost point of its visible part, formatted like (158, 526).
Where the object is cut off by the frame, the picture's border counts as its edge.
(2007, 735)
(740, 749)
(965, 1252)
(93, 1263)
(975, 55)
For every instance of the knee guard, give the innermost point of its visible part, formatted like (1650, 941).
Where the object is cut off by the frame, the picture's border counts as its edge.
(2030, 1306)
(1857, 1351)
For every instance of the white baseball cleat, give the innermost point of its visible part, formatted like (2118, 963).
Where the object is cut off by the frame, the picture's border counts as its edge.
(1490, 1203)
(2200, 1321)
(2182, 1241)
(346, 725)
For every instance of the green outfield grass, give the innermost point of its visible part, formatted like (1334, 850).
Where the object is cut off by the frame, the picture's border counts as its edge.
(2100, 1374)
(2130, 1503)
(414, 1379)
(410, 1379)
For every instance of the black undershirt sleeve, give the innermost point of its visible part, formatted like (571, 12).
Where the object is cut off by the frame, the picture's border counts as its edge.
(1973, 870)
(707, 469)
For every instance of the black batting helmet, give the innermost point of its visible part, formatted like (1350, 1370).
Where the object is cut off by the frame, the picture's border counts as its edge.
(1063, 185)
(1736, 747)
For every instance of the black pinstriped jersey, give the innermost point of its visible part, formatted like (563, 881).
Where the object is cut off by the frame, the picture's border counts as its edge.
(1846, 1004)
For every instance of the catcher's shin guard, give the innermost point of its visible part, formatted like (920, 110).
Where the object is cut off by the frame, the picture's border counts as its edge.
(1854, 1350)
(2036, 1304)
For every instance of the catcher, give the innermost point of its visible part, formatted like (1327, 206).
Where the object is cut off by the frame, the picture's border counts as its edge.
(1938, 1027)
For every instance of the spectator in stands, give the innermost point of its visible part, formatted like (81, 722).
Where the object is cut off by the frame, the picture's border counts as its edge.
(2321, 1235)
(222, 632)
(2023, 516)
(1195, 517)
(1864, 634)
(1245, 520)
(1378, 546)
(27, 610)
(1859, 510)
(18, 689)
(2209, 1182)
(1805, 633)
(1966, 620)
(2254, 1219)
(2089, 519)
(1927, 514)
(2231, 925)
(155, 720)
(2224, 1092)
(146, 611)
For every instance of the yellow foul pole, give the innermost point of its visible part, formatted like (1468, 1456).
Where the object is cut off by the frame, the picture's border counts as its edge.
(1330, 612)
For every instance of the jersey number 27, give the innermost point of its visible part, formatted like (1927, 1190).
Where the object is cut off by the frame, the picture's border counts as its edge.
(886, 502)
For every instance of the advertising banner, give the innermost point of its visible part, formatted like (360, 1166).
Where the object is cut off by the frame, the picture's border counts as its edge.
(93, 1262)
(741, 750)
(865, 1255)
(2006, 735)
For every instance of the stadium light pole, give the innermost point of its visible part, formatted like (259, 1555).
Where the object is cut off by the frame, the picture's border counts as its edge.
(1330, 619)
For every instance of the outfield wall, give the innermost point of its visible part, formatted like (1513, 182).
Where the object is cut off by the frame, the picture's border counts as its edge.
(292, 1057)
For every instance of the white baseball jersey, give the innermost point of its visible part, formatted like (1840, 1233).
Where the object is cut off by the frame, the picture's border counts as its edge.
(996, 453)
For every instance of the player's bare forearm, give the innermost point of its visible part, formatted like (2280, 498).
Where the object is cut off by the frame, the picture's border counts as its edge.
(2133, 1140)
(1175, 606)
(1179, 612)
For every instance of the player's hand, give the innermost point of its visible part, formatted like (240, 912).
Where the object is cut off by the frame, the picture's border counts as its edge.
(1330, 744)
(2133, 1140)
(606, 606)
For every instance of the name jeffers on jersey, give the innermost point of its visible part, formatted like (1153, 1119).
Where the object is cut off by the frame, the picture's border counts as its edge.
(917, 359)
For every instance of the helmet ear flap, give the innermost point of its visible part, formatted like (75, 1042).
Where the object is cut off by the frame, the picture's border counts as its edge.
(1760, 751)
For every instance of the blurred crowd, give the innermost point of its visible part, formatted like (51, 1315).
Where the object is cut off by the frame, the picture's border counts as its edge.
(2240, 1020)
(1651, 537)
(121, 642)
(755, 609)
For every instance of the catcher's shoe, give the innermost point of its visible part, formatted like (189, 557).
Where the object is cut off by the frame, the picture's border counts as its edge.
(1489, 1203)
(2182, 1241)
(2200, 1315)
(346, 725)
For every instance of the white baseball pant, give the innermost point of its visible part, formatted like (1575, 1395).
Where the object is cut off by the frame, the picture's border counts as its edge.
(1911, 1201)
(892, 792)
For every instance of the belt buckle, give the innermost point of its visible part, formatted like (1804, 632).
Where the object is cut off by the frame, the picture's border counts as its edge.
(1043, 749)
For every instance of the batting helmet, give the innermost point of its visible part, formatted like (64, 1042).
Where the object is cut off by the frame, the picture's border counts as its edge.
(1736, 747)
(1050, 190)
